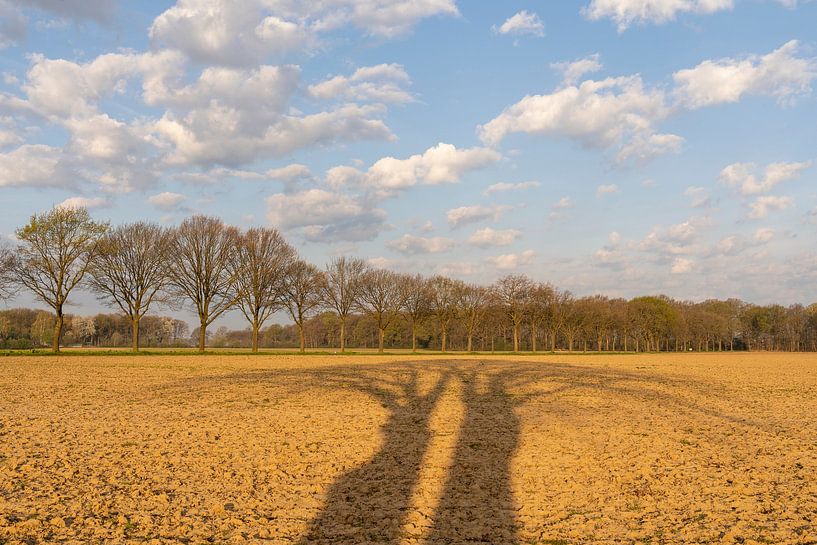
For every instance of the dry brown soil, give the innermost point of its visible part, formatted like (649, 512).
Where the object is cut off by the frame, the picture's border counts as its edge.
(683, 448)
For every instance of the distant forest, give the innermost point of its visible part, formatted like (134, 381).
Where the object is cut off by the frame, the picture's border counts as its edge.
(212, 268)
(578, 324)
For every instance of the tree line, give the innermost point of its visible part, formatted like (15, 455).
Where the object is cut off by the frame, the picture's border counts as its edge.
(212, 268)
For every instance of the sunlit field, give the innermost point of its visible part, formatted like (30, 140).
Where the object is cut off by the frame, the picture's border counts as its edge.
(675, 448)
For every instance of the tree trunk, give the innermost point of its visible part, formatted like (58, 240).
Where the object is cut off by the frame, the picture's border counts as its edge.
(444, 338)
(515, 338)
(342, 335)
(202, 336)
(301, 337)
(413, 337)
(553, 342)
(255, 327)
(381, 340)
(533, 339)
(470, 339)
(58, 322)
(135, 329)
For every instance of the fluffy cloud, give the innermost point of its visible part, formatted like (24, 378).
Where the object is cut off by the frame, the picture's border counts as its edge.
(744, 178)
(441, 164)
(504, 186)
(512, 261)
(607, 189)
(763, 234)
(682, 265)
(414, 245)
(573, 71)
(167, 201)
(488, 237)
(84, 202)
(244, 32)
(780, 74)
(289, 173)
(464, 215)
(627, 12)
(614, 112)
(382, 83)
(33, 165)
(761, 206)
(522, 23)
(698, 197)
(325, 216)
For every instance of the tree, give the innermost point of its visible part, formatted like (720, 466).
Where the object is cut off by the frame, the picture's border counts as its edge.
(445, 301)
(340, 291)
(130, 270)
(474, 302)
(57, 249)
(8, 280)
(416, 302)
(381, 296)
(513, 291)
(539, 309)
(201, 268)
(303, 286)
(260, 268)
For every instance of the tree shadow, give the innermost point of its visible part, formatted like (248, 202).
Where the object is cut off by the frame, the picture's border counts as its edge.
(477, 503)
(371, 503)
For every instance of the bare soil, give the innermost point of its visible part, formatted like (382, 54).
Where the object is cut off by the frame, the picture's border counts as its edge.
(682, 448)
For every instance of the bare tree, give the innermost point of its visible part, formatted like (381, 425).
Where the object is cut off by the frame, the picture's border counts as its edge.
(343, 276)
(474, 303)
(539, 309)
(57, 249)
(201, 270)
(416, 302)
(130, 270)
(445, 301)
(513, 291)
(8, 279)
(381, 296)
(303, 287)
(260, 267)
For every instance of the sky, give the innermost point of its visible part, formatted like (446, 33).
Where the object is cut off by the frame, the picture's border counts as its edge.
(623, 147)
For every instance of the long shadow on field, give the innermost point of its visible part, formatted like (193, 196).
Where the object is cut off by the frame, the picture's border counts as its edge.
(477, 504)
(370, 503)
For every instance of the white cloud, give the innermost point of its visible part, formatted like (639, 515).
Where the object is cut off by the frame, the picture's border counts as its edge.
(780, 74)
(464, 215)
(505, 186)
(487, 237)
(562, 204)
(414, 245)
(32, 165)
(573, 71)
(761, 207)
(743, 177)
(512, 261)
(325, 216)
(522, 23)
(441, 164)
(698, 197)
(614, 112)
(382, 83)
(84, 202)
(289, 172)
(167, 201)
(607, 189)
(682, 265)
(763, 234)
(628, 12)
(245, 32)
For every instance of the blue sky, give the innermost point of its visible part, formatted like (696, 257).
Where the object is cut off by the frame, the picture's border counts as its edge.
(615, 146)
